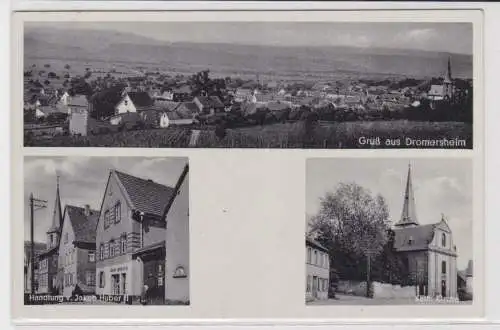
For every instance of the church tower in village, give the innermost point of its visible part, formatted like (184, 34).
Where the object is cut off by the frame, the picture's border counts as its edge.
(427, 251)
(55, 229)
(409, 213)
(448, 82)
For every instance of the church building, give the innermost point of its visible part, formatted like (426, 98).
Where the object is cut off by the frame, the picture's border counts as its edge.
(446, 90)
(428, 251)
(48, 259)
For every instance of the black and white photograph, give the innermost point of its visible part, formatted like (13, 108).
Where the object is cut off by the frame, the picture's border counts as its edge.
(243, 84)
(389, 231)
(106, 230)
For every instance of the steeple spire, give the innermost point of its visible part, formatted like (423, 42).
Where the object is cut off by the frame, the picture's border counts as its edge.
(57, 213)
(447, 77)
(408, 215)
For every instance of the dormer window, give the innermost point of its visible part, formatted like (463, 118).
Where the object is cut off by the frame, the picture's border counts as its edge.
(443, 240)
(410, 240)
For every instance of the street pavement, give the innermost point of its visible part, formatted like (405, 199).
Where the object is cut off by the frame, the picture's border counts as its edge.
(342, 299)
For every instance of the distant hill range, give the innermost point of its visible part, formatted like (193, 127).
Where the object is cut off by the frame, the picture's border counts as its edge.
(117, 47)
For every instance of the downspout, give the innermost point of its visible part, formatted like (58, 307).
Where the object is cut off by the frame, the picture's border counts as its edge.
(141, 217)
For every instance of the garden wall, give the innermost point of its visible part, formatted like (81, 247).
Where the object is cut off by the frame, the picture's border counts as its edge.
(380, 290)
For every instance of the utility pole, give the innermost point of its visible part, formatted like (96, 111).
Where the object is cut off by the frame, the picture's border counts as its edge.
(38, 204)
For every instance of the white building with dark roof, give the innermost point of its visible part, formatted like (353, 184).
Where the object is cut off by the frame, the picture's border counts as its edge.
(317, 270)
(77, 251)
(132, 237)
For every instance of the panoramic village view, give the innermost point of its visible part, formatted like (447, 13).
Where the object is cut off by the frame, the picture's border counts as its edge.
(96, 231)
(248, 85)
(382, 232)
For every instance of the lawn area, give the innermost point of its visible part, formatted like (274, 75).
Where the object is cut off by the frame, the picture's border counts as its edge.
(325, 135)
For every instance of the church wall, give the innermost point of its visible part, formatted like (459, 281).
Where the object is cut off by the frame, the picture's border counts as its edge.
(442, 250)
(417, 265)
(436, 275)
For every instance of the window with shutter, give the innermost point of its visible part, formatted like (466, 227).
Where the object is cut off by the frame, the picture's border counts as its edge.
(124, 243)
(118, 213)
(106, 250)
(111, 249)
(101, 251)
(106, 219)
(112, 216)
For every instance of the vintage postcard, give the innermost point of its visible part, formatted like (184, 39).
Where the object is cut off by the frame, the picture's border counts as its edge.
(142, 201)
(96, 230)
(389, 231)
(243, 84)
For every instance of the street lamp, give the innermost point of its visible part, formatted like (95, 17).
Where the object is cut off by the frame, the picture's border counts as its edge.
(35, 204)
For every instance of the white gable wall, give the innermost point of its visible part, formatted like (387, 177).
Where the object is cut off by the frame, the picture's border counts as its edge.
(125, 105)
(177, 245)
(67, 256)
(439, 254)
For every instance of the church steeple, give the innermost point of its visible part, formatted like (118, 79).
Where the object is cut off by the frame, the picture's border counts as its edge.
(448, 82)
(408, 215)
(447, 77)
(54, 230)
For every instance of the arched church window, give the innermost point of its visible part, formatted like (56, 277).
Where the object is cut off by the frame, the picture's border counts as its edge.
(443, 239)
(180, 272)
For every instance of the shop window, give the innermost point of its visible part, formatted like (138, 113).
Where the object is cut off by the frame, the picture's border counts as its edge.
(115, 279)
(101, 279)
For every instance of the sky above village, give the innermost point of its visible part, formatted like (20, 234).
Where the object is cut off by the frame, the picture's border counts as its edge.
(446, 37)
(441, 186)
(83, 181)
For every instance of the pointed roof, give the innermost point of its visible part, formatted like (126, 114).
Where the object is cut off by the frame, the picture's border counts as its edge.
(84, 222)
(408, 215)
(447, 78)
(57, 218)
(177, 188)
(145, 195)
(468, 270)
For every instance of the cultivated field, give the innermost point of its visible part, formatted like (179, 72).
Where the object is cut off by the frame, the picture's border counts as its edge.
(288, 135)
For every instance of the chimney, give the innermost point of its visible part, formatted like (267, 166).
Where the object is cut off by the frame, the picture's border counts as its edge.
(87, 210)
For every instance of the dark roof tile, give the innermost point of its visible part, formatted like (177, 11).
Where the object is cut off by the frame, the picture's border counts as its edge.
(146, 195)
(83, 225)
(420, 237)
(140, 99)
